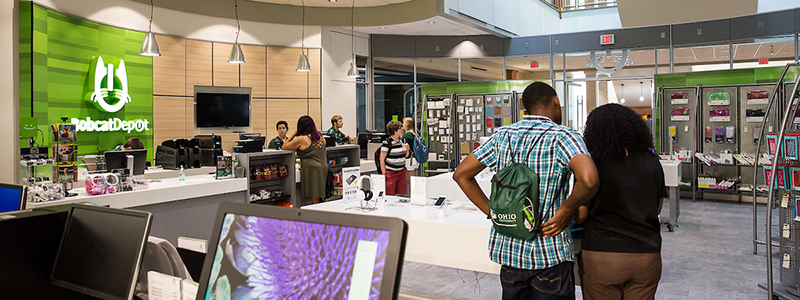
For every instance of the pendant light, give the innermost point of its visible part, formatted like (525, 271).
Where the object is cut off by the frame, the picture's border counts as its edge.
(150, 46)
(641, 94)
(236, 56)
(622, 99)
(353, 71)
(302, 64)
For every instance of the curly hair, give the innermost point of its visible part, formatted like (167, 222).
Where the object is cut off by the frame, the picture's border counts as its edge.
(393, 126)
(612, 128)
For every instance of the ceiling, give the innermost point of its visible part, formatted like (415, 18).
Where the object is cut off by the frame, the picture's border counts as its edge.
(436, 25)
(636, 13)
(337, 3)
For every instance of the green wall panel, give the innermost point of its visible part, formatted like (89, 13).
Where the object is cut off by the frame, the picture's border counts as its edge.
(477, 87)
(56, 53)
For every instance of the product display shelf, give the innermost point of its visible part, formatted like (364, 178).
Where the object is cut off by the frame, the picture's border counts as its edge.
(437, 120)
(339, 157)
(285, 184)
(787, 286)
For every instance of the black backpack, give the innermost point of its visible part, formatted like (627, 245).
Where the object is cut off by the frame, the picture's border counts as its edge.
(377, 156)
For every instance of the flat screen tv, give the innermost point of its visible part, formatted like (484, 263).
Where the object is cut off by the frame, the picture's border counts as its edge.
(222, 107)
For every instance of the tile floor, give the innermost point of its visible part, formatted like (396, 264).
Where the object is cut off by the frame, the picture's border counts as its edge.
(709, 256)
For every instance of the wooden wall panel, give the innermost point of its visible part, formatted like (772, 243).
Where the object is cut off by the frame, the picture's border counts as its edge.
(225, 74)
(228, 141)
(288, 110)
(168, 118)
(314, 79)
(199, 65)
(169, 69)
(259, 122)
(254, 70)
(315, 111)
(283, 80)
(189, 117)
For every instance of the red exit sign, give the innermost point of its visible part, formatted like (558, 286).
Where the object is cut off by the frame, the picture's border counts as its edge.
(534, 64)
(607, 39)
(763, 61)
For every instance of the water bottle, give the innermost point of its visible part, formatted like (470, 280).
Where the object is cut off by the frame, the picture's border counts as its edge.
(182, 175)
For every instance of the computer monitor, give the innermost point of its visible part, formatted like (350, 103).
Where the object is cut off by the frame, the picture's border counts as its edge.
(101, 251)
(12, 197)
(270, 252)
(330, 141)
(260, 140)
(119, 160)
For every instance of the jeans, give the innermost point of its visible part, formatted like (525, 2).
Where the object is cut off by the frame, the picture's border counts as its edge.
(556, 282)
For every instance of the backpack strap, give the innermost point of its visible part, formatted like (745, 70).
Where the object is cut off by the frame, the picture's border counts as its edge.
(532, 146)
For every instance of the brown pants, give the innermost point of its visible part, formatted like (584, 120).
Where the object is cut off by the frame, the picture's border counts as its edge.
(610, 275)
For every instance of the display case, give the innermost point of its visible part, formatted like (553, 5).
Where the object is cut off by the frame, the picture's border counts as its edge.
(438, 131)
(719, 125)
(471, 127)
(340, 157)
(753, 102)
(679, 126)
(265, 184)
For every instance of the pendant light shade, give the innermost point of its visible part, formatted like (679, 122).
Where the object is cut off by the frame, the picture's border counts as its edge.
(236, 56)
(149, 45)
(302, 63)
(353, 71)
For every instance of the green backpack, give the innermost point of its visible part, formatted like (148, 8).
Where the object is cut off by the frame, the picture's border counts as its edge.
(514, 204)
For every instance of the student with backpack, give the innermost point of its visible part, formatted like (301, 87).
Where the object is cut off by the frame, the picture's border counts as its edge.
(408, 137)
(529, 205)
(393, 159)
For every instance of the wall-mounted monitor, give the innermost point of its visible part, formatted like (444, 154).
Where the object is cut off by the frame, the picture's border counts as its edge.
(222, 109)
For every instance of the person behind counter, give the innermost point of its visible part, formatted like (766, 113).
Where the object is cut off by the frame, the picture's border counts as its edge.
(337, 122)
(131, 144)
(310, 147)
(278, 141)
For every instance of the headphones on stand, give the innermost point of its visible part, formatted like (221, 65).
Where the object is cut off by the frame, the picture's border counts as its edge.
(364, 192)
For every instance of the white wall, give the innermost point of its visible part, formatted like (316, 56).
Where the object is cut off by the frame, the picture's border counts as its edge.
(133, 15)
(532, 17)
(774, 5)
(9, 92)
(338, 90)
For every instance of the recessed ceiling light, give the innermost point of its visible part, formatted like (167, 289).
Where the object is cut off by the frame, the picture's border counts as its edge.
(331, 0)
(431, 22)
(382, 27)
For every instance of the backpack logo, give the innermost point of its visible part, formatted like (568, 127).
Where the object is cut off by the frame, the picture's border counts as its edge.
(110, 86)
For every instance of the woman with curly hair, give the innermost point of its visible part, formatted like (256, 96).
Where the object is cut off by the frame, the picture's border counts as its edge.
(621, 247)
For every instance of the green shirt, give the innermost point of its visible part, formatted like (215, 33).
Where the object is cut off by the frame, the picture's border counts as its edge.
(408, 138)
(276, 143)
(336, 134)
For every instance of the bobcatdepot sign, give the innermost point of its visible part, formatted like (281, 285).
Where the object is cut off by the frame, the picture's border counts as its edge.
(110, 94)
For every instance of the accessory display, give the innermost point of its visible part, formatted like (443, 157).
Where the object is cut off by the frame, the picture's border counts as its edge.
(100, 184)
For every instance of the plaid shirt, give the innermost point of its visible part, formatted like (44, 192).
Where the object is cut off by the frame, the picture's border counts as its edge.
(550, 160)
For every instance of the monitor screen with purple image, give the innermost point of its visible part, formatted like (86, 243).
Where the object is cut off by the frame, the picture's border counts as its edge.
(298, 254)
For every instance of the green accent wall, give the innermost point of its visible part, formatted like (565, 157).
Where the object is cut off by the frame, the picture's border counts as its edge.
(477, 87)
(56, 52)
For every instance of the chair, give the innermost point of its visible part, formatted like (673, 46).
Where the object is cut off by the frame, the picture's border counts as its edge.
(160, 256)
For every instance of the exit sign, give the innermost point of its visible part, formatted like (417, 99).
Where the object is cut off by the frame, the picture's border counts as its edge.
(763, 61)
(534, 64)
(607, 39)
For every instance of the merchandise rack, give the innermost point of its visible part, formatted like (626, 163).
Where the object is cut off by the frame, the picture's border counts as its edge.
(788, 243)
(433, 110)
(285, 184)
(353, 155)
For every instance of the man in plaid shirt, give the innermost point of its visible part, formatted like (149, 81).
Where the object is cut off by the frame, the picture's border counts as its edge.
(540, 268)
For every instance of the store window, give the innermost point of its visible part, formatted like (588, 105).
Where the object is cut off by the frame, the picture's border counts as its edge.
(528, 67)
(393, 69)
(760, 53)
(393, 102)
(701, 58)
(482, 69)
(437, 70)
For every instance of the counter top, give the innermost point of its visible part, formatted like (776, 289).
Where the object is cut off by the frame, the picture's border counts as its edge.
(167, 190)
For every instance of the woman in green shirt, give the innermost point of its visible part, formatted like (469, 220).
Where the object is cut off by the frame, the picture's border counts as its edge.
(277, 142)
(408, 138)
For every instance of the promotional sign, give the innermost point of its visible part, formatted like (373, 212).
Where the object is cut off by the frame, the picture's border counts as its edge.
(27, 127)
(349, 183)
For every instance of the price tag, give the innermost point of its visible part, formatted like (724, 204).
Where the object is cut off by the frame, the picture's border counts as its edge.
(786, 231)
(786, 260)
(785, 201)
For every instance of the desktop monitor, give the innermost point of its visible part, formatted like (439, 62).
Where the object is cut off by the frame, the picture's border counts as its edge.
(101, 251)
(260, 140)
(330, 141)
(270, 252)
(119, 160)
(12, 197)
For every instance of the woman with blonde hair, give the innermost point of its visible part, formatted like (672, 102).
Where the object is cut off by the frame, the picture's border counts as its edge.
(408, 137)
